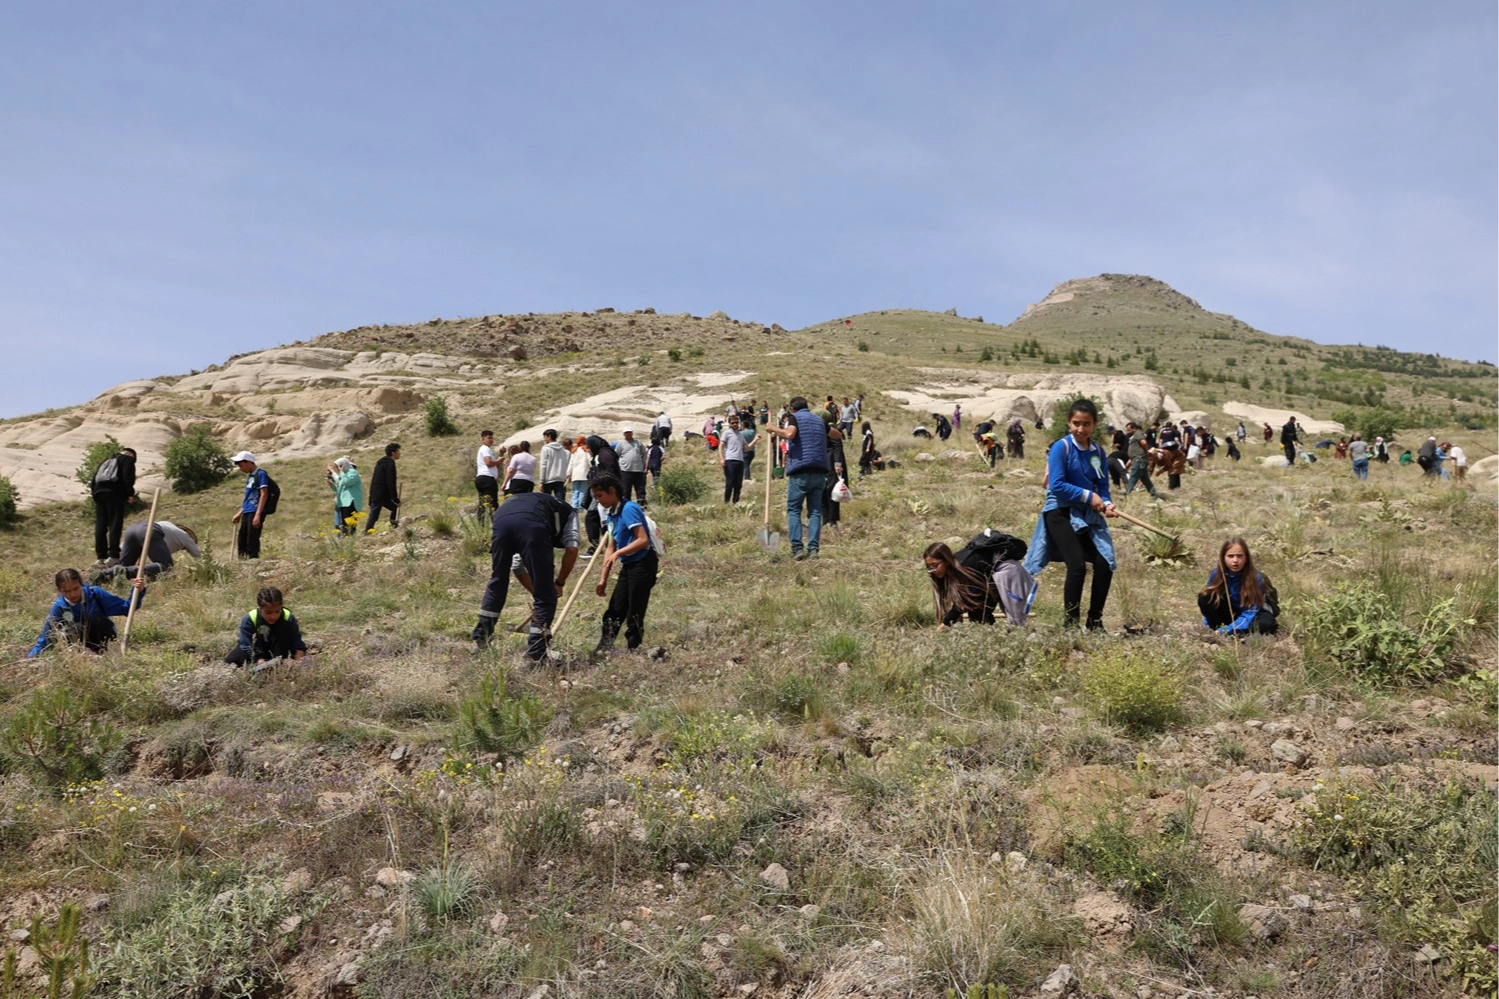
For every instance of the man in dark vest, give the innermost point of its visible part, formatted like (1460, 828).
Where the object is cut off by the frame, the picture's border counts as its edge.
(806, 473)
(529, 525)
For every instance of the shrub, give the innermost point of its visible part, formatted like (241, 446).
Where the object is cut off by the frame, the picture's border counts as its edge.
(1357, 628)
(57, 737)
(9, 497)
(436, 418)
(987, 354)
(196, 461)
(1134, 690)
(494, 722)
(673, 354)
(863, 346)
(1058, 422)
(447, 891)
(681, 484)
(202, 939)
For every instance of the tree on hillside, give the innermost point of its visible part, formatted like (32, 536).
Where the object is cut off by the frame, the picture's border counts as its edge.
(196, 461)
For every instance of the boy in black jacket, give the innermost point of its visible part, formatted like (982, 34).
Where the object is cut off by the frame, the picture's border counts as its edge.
(112, 488)
(383, 492)
(268, 632)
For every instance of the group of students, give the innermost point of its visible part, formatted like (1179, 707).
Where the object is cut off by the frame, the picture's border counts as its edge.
(1073, 529)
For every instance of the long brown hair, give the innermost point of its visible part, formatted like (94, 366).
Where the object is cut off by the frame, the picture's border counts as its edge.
(959, 588)
(1250, 594)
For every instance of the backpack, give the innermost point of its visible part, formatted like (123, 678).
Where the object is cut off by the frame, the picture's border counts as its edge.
(108, 472)
(273, 497)
(987, 549)
(654, 533)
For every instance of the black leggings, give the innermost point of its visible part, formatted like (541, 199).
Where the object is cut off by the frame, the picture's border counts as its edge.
(1218, 614)
(1077, 551)
(733, 480)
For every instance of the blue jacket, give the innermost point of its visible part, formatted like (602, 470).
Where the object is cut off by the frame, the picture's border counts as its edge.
(97, 604)
(621, 522)
(1072, 475)
(808, 450)
(1244, 616)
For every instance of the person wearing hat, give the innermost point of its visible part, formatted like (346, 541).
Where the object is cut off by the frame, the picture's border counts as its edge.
(251, 514)
(384, 493)
(167, 539)
(632, 464)
(348, 494)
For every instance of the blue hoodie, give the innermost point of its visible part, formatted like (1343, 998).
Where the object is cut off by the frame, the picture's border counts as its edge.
(1246, 615)
(97, 604)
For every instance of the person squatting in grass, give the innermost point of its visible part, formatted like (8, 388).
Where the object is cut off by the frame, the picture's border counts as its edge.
(529, 525)
(628, 542)
(1251, 602)
(1072, 527)
(167, 539)
(384, 494)
(956, 589)
(267, 633)
(82, 614)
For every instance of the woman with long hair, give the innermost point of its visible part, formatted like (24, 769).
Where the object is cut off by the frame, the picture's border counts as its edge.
(957, 590)
(1238, 600)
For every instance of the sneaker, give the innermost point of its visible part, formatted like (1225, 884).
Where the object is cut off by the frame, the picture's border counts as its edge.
(111, 562)
(587, 554)
(799, 556)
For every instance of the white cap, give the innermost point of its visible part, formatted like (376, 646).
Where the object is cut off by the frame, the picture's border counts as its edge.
(628, 429)
(243, 456)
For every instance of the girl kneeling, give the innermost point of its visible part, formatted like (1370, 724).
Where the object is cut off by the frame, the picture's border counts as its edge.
(1238, 600)
(956, 589)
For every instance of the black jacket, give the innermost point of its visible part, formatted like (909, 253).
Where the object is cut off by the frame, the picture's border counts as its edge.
(604, 458)
(123, 483)
(383, 482)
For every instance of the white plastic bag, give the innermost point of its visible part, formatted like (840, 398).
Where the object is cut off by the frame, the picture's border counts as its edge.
(841, 492)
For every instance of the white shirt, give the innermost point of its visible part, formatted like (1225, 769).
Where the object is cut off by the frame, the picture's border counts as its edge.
(523, 466)
(484, 468)
(1457, 456)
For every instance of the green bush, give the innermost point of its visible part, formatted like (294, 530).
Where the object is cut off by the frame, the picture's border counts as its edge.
(1134, 690)
(680, 484)
(436, 418)
(1357, 628)
(9, 497)
(863, 346)
(1058, 422)
(1376, 421)
(987, 354)
(58, 738)
(196, 461)
(494, 722)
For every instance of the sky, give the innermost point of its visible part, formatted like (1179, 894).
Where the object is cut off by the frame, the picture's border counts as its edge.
(181, 181)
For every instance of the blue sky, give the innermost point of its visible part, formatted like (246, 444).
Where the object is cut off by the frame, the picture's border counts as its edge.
(184, 181)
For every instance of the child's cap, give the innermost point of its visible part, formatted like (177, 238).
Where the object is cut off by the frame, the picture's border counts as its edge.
(243, 456)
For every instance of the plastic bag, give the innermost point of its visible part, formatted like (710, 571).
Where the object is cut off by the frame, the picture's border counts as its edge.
(841, 492)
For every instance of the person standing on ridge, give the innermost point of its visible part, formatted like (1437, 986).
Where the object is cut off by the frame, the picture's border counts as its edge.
(806, 474)
(487, 474)
(252, 509)
(384, 493)
(113, 489)
(632, 465)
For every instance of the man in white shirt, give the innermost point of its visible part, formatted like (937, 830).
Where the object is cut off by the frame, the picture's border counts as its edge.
(487, 472)
(663, 429)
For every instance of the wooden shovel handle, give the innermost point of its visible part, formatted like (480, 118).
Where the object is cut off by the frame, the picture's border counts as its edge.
(1140, 523)
(557, 621)
(140, 572)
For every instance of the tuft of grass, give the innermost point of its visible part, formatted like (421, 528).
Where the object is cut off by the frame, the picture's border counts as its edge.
(1134, 689)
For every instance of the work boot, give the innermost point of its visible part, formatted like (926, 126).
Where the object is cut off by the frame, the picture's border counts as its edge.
(482, 633)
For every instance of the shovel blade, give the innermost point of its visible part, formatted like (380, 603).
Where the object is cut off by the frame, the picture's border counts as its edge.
(769, 540)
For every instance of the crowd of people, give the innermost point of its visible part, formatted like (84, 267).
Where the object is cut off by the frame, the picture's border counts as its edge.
(534, 505)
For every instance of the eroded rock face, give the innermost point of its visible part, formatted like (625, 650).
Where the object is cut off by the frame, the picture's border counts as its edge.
(988, 395)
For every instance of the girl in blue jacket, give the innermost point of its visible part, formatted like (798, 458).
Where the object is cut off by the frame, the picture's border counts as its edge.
(1238, 600)
(1072, 527)
(82, 613)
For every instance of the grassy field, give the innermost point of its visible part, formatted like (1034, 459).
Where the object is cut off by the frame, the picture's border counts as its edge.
(814, 793)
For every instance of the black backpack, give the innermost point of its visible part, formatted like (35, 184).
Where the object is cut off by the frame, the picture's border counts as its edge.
(988, 548)
(272, 497)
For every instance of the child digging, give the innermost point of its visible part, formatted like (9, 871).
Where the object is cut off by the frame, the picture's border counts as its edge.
(267, 633)
(82, 613)
(628, 542)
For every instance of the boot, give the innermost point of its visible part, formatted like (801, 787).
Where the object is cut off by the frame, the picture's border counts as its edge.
(483, 632)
